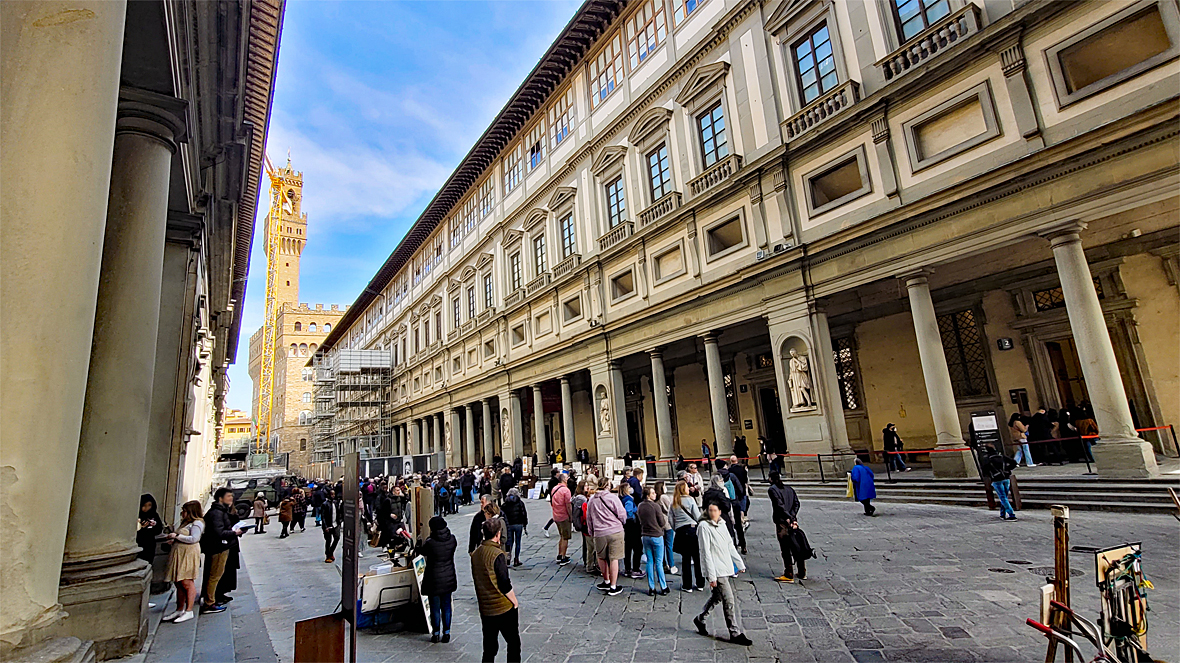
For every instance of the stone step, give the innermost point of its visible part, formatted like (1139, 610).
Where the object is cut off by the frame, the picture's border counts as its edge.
(170, 643)
(215, 639)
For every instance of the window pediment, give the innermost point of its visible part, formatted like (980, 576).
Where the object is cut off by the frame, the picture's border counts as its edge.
(701, 83)
(512, 237)
(468, 272)
(453, 285)
(561, 196)
(788, 10)
(535, 216)
(648, 123)
(485, 259)
(607, 157)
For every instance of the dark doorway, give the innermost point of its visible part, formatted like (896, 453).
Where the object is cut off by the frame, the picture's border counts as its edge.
(1067, 372)
(772, 419)
(634, 432)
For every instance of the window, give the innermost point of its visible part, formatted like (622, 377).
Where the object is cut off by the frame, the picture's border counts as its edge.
(327, 327)
(963, 344)
(457, 312)
(298, 326)
(457, 364)
(438, 327)
(571, 309)
(1053, 298)
(426, 332)
(659, 175)
(489, 349)
(606, 71)
(311, 328)
(668, 264)
(616, 204)
(725, 236)
(417, 346)
(536, 143)
(837, 183)
(513, 168)
(623, 285)
(514, 271)
(914, 16)
(569, 241)
(714, 145)
(489, 291)
(815, 64)
(539, 262)
(518, 335)
(844, 352)
(645, 30)
(1124, 45)
(561, 117)
(487, 198)
(302, 349)
(307, 397)
(682, 9)
(731, 404)
(956, 125)
(471, 302)
(303, 444)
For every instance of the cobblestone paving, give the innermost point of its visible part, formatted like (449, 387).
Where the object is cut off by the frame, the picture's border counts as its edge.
(916, 583)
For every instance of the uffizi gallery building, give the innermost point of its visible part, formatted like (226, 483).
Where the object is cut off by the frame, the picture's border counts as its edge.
(801, 220)
(131, 141)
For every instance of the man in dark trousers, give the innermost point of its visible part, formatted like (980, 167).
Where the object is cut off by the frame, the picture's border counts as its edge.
(477, 522)
(785, 507)
(330, 521)
(215, 543)
(498, 608)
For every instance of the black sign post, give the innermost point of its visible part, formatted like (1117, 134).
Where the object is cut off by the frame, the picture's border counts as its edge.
(349, 513)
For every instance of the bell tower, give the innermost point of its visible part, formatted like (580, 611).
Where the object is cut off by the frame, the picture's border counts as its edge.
(292, 236)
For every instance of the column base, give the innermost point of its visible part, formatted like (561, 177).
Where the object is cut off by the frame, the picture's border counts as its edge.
(106, 597)
(1125, 459)
(55, 650)
(954, 465)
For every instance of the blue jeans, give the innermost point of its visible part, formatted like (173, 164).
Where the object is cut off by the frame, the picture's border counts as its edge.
(440, 614)
(1001, 489)
(653, 547)
(669, 537)
(896, 463)
(1023, 451)
(515, 535)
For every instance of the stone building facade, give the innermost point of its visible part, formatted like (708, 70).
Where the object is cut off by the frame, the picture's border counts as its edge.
(131, 162)
(801, 219)
(300, 330)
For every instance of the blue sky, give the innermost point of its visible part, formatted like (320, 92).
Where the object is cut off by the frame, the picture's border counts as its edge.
(378, 102)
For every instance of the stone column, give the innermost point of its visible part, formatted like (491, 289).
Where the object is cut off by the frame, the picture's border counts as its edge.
(659, 394)
(415, 437)
(517, 432)
(539, 444)
(451, 441)
(489, 446)
(103, 586)
(567, 421)
(469, 441)
(830, 393)
(435, 433)
(622, 435)
(57, 122)
(1119, 452)
(938, 382)
(721, 432)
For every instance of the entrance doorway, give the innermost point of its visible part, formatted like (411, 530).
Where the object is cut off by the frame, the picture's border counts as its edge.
(635, 431)
(772, 419)
(1067, 372)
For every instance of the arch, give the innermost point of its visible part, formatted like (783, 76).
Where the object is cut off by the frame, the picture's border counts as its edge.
(303, 349)
(294, 349)
(311, 327)
(298, 326)
(313, 348)
(307, 397)
(648, 123)
(327, 327)
(796, 361)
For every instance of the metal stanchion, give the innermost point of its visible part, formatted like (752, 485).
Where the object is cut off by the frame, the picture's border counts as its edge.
(820, 458)
(888, 463)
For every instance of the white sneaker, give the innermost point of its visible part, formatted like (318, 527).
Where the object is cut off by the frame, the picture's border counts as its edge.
(675, 571)
(184, 617)
(173, 615)
(546, 534)
(151, 605)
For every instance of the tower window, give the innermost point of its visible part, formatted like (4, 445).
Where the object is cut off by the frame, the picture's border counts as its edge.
(298, 326)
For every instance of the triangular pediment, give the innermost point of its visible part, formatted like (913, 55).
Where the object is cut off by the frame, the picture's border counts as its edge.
(701, 81)
(512, 236)
(609, 155)
(485, 259)
(787, 10)
(651, 121)
(435, 301)
(453, 285)
(561, 195)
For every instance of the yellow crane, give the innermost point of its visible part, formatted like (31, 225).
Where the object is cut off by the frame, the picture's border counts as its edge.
(266, 376)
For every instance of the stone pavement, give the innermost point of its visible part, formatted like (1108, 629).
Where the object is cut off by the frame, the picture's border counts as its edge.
(916, 583)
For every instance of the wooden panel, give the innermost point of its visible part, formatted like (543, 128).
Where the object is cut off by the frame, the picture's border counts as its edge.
(320, 640)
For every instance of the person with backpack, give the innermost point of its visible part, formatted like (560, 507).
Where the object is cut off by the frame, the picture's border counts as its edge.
(998, 469)
(684, 515)
(891, 442)
(605, 518)
(559, 503)
(784, 504)
(578, 520)
(517, 518)
(632, 532)
(736, 488)
(439, 581)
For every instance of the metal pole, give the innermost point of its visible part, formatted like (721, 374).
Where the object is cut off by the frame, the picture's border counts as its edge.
(819, 457)
(888, 463)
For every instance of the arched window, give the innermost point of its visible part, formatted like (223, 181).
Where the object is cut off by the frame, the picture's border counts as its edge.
(307, 397)
(294, 349)
(303, 349)
(327, 327)
(311, 327)
(313, 347)
(298, 326)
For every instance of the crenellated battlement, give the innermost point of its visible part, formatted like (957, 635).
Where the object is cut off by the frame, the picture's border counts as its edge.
(304, 307)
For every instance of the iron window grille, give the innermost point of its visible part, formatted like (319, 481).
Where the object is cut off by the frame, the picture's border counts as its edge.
(962, 343)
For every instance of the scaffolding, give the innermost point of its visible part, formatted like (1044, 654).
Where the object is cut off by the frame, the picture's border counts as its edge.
(353, 405)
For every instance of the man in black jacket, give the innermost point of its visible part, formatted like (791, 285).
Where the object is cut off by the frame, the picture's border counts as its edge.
(330, 521)
(998, 469)
(477, 524)
(215, 544)
(785, 506)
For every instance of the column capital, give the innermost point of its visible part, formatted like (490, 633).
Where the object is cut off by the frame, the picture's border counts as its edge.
(537, 388)
(1064, 233)
(709, 337)
(915, 277)
(565, 379)
(615, 364)
(656, 353)
(154, 115)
